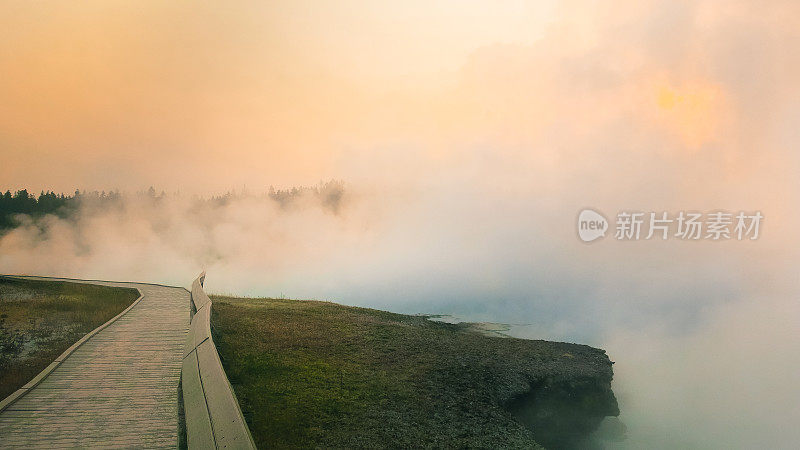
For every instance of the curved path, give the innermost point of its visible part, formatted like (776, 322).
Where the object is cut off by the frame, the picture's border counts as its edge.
(118, 389)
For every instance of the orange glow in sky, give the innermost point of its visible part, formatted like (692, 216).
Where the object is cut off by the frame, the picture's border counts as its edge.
(202, 96)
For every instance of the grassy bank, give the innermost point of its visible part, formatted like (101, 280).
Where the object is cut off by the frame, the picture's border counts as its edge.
(41, 319)
(317, 374)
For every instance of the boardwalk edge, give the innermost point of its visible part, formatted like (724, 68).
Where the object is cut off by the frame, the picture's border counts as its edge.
(212, 413)
(19, 393)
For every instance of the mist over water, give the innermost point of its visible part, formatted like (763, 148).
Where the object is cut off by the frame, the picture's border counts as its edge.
(704, 334)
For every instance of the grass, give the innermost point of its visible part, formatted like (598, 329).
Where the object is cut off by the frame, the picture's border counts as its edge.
(317, 374)
(39, 320)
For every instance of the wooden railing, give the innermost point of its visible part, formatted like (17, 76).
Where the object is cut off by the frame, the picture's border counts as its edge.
(213, 416)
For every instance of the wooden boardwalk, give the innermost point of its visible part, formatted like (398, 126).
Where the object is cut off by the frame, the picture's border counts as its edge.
(118, 389)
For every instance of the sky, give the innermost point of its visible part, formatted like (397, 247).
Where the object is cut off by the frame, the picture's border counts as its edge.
(204, 97)
(126, 94)
(468, 135)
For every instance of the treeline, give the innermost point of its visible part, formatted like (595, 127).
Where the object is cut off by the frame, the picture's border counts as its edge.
(23, 202)
(61, 205)
(328, 195)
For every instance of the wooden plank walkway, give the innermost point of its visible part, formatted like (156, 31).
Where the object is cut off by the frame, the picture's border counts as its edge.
(118, 389)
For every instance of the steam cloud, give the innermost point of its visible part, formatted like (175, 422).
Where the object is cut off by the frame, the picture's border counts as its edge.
(704, 334)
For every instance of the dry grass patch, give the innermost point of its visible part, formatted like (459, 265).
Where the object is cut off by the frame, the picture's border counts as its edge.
(41, 319)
